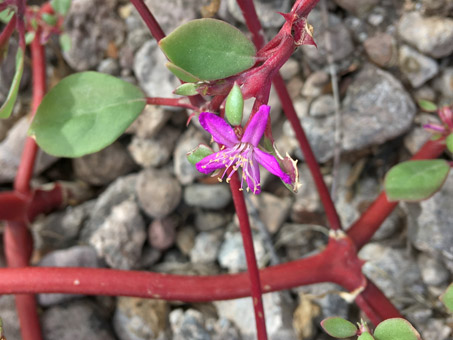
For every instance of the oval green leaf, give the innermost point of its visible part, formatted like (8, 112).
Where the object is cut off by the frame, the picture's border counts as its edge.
(447, 298)
(7, 107)
(61, 6)
(200, 152)
(427, 105)
(339, 327)
(449, 142)
(415, 180)
(209, 49)
(365, 336)
(396, 329)
(84, 113)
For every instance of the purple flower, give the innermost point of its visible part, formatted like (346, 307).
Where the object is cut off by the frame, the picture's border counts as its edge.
(446, 116)
(244, 153)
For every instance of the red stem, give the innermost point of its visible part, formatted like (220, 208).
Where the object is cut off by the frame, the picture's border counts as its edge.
(252, 267)
(252, 22)
(7, 32)
(149, 19)
(364, 228)
(13, 207)
(175, 102)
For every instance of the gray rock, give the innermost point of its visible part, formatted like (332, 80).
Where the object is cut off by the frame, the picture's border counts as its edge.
(80, 319)
(104, 27)
(151, 73)
(430, 35)
(78, 256)
(433, 270)
(393, 271)
(357, 7)
(11, 326)
(381, 49)
(150, 122)
(189, 324)
(154, 152)
(149, 257)
(435, 329)
(429, 224)
(416, 67)
(158, 192)
(11, 152)
(215, 196)
(231, 254)
(109, 66)
(222, 329)
(415, 139)
(120, 190)
(162, 232)
(119, 240)
(206, 247)
(444, 83)
(425, 92)
(314, 84)
(206, 220)
(185, 239)
(140, 319)
(104, 166)
(322, 106)
(290, 69)
(184, 170)
(267, 11)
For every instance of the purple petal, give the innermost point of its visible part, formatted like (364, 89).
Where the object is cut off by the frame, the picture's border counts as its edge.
(253, 178)
(255, 129)
(434, 127)
(218, 128)
(270, 164)
(211, 163)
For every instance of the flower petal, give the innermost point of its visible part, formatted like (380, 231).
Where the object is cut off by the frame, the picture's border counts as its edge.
(270, 164)
(211, 163)
(218, 128)
(253, 178)
(255, 129)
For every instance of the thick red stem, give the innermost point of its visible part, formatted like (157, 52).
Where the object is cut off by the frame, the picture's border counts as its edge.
(149, 19)
(175, 102)
(364, 228)
(7, 32)
(252, 267)
(13, 207)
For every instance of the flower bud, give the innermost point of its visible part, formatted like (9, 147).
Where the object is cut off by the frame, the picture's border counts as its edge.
(234, 106)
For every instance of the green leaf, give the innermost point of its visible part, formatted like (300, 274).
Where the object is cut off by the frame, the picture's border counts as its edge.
(29, 36)
(7, 108)
(6, 15)
(415, 180)
(427, 105)
(197, 154)
(209, 49)
(365, 336)
(187, 89)
(49, 19)
(234, 106)
(84, 113)
(182, 74)
(61, 6)
(65, 42)
(339, 327)
(447, 298)
(396, 329)
(449, 142)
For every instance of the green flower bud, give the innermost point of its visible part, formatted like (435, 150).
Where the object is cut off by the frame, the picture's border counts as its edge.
(187, 89)
(234, 106)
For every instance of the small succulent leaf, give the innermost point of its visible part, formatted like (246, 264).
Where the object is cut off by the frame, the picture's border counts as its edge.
(200, 152)
(29, 36)
(84, 113)
(7, 108)
(339, 327)
(415, 180)
(427, 105)
(61, 6)
(234, 106)
(209, 49)
(49, 19)
(65, 42)
(447, 298)
(449, 142)
(396, 329)
(182, 74)
(6, 15)
(365, 336)
(187, 89)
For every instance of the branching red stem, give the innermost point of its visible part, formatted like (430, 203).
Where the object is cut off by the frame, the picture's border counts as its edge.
(175, 102)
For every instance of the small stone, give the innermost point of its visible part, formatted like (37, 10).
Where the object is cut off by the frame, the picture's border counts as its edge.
(315, 83)
(430, 35)
(232, 256)
(162, 232)
(158, 192)
(154, 152)
(119, 240)
(290, 69)
(184, 170)
(206, 247)
(140, 319)
(150, 256)
(304, 315)
(433, 271)
(357, 7)
(109, 66)
(102, 167)
(11, 326)
(426, 93)
(322, 106)
(189, 324)
(435, 329)
(444, 83)
(268, 11)
(206, 220)
(80, 319)
(150, 122)
(214, 196)
(381, 49)
(185, 239)
(415, 139)
(222, 329)
(78, 256)
(416, 67)
(11, 152)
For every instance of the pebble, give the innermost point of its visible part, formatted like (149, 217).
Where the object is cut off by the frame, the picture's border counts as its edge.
(357, 7)
(208, 196)
(77, 256)
(120, 238)
(185, 239)
(140, 319)
(11, 326)
(81, 319)
(159, 193)
(154, 152)
(189, 324)
(206, 220)
(290, 69)
(206, 247)
(109, 66)
(444, 83)
(304, 318)
(268, 11)
(381, 49)
(435, 329)
(314, 84)
(415, 139)
(102, 167)
(416, 67)
(150, 122)
(322, 106)
(430, 35)
(162, 232)
(433, 271)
